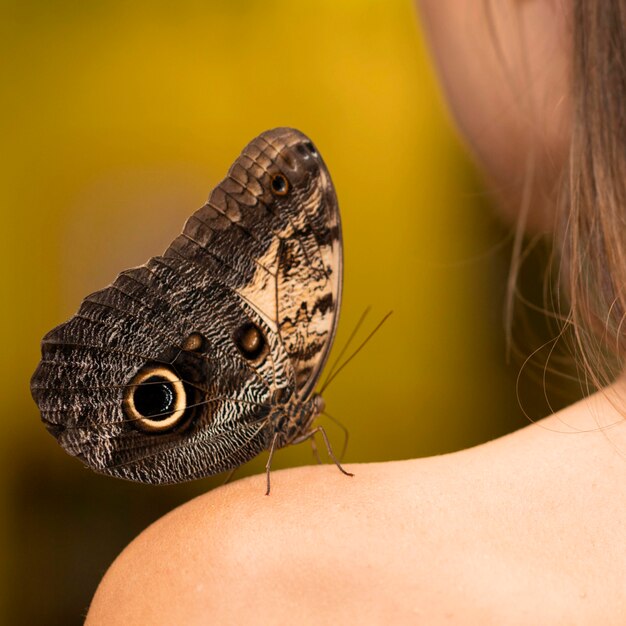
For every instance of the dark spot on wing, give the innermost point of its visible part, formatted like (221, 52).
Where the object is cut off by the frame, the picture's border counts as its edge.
(323, 304)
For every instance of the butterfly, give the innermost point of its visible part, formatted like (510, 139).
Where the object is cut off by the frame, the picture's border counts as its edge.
(198, 360)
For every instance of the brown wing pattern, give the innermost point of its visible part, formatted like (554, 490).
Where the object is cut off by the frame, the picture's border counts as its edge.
(271, 230)
(149, 380)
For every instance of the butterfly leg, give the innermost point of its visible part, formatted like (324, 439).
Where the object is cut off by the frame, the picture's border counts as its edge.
(316, 453)
(230, 474)
(331, 454)
(268, 465)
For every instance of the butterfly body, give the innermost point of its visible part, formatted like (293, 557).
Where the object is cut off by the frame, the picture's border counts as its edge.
(198, 360)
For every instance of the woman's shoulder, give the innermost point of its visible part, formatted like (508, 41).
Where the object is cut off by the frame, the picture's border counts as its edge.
(321, 543)
(469, 536)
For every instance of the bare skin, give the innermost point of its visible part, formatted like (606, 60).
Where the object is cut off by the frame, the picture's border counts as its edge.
(526, 529)
(504, 66)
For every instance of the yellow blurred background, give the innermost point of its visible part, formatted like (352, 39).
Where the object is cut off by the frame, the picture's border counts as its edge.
(117, 120)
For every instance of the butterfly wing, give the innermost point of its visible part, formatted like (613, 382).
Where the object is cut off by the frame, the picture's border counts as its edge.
(173, 371)
(272, 227)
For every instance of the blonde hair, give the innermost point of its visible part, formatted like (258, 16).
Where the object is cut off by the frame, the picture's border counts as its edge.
(591, 228)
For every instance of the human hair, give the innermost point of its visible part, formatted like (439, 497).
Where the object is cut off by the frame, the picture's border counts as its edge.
(591, 211)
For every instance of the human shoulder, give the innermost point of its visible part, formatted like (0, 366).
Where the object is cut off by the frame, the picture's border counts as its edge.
(464, 538)
(319, 542)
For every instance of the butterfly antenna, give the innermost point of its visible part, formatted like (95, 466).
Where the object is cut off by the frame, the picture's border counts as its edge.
(346, 434)
(331, 378)
(346, 345)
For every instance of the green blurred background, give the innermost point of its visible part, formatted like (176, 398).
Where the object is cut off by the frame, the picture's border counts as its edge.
(118, 118)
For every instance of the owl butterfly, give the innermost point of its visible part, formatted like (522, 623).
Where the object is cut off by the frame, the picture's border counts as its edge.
(195, 362)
